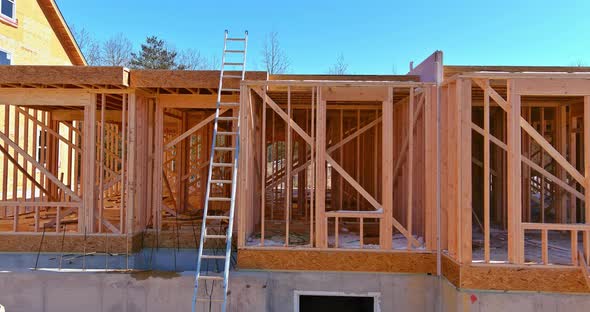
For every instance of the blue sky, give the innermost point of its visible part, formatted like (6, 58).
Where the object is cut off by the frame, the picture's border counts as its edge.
(375, 37)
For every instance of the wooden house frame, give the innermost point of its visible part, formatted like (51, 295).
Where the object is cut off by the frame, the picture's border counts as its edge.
(337, 173)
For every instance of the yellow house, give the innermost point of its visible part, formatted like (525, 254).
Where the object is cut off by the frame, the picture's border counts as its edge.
(35, 33)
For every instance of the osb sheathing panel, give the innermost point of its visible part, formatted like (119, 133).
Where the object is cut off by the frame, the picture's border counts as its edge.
(521, 278)
(337, 260)
(75, 75)
(451, 270)
(53, 242)
(187, 78)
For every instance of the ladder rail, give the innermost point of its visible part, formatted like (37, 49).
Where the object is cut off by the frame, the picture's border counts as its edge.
(233, 193)
(208, 190)
(208, 198)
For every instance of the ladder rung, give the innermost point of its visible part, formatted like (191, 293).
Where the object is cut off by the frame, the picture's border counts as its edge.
(232, 76)
(236, 39)
(215, 236)
(234, 51)
(229, 103)
(223, 148)
(233, 64)
(221, 181)
(226, 133)
(223, 164)
(219, 199)
(227, 118)
(218, 217)
(211, 277)
(212, 257)
(230, 90)
(209, 300)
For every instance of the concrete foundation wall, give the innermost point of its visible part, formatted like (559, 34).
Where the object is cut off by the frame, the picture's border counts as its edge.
(257, 291)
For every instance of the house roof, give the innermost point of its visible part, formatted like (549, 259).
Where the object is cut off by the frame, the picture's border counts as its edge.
(61, 29)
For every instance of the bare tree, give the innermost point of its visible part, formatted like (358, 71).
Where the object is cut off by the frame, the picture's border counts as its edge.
(117, 51)
(89, 46)
(193, 60)
(340, 67)
(274, 58)
(578, 63)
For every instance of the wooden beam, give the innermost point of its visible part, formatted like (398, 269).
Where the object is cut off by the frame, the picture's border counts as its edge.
(385, 226)
(547, 86)
(320, 213)
(263, 168)
(486, 171)
(465, 204)
(586, 184)
(44, 97)
(86, 214)
(76, 114)
(515, 235)
(289, 177)
(410, 164)
(131, 161)
(355, 94)
(204, 101)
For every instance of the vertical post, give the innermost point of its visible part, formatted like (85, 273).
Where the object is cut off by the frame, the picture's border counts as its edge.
(86, 218)
(158, 171)
(386, 224)
(321, 221)
(513, 177)
(358, 158)
(288, 177)
(574, 161)
(341, 154)
(465, 205)
(131, 152)
(486, 172)
(561, 128)
(526, 180)
(431, 166)
(410, 159)
(5, 160)
(181, 166)
(15, 173)
(101, 163)
(542, 157)
(313, 179)
(263, 166)
(122, 213)
(587, 175)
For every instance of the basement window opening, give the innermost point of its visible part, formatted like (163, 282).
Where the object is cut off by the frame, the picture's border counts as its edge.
(316, 301)
(5, 57)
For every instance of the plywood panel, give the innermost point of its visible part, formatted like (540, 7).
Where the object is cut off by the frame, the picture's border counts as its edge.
(336, 260)
(521, 278)
(75, 75)
(187, 78)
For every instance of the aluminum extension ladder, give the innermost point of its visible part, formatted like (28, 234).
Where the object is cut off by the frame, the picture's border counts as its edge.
(218, 177)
